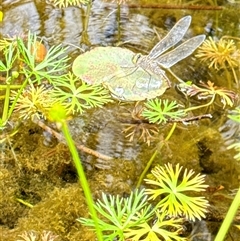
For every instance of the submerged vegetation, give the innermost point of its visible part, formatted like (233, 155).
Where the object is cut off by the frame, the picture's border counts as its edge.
(136, 217)
(39, 89)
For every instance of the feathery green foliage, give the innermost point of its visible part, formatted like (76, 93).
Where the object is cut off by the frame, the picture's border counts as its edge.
(76, 95)
(53, 64)
(21, 68)
(120, 214)
(172, 189)
(160, 111)
(33, 101)
(160, 229)
(136, 218)
(67, 3)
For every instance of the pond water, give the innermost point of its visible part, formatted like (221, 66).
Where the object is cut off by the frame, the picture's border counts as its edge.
(37, 168)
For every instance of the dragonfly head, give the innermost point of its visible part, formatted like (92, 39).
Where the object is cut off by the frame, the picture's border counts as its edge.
(136, 58)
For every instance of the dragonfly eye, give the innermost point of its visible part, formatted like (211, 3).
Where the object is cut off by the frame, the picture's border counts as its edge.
(136, 58)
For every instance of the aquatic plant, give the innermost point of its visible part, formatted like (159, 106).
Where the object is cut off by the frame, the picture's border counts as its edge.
(135, 218)
(67, 3)
(76, 95)
(139, 127)
(36, 79)
(219, 54)
(23, 64)
(206, 91)
(120, 214)
(161, 229)
(34, 236)
(50, 67)
(145, 132)
(160, 111)
(33, 102)
(172, 189)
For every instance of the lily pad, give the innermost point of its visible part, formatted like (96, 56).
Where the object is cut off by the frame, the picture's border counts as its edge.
(113, 67)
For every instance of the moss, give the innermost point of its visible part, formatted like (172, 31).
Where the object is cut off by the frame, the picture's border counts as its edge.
(35, 154)
(58, 214)
(11, 210)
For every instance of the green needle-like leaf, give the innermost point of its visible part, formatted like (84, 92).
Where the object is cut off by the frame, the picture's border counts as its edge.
(120, 214)
(53, 64)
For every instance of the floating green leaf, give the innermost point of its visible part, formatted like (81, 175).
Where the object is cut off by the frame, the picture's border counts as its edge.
(113, 67)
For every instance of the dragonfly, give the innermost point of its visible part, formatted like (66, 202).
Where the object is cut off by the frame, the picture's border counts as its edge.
(151, 78)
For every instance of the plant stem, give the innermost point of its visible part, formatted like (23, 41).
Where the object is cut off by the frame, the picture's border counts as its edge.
(229, 217)
(11, 109)
(200, 106)
(6, 104)
(2, 87)
(81, 176)
(79, 146)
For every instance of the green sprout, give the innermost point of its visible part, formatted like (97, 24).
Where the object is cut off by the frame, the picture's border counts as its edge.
(158, 111)
(172, 191)
(76, 95)
(120, 214)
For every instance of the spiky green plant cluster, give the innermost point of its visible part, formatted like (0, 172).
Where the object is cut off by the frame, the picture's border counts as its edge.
(50, 67)
(67, 3)
(33, 102)
(21, 66)
(120, 214)
(76, 95)
(135, 218)
(160, 111)
(173, 192)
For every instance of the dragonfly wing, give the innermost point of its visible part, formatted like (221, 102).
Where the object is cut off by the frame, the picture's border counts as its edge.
(181, 52)
(172, 38)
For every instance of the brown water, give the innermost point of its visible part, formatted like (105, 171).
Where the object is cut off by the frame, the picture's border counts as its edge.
(38, 168)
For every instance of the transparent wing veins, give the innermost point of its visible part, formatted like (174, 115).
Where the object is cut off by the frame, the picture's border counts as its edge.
(181, 52)
(172, 38)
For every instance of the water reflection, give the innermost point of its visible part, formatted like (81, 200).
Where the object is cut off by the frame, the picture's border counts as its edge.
(20, 18)
(67, 25)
